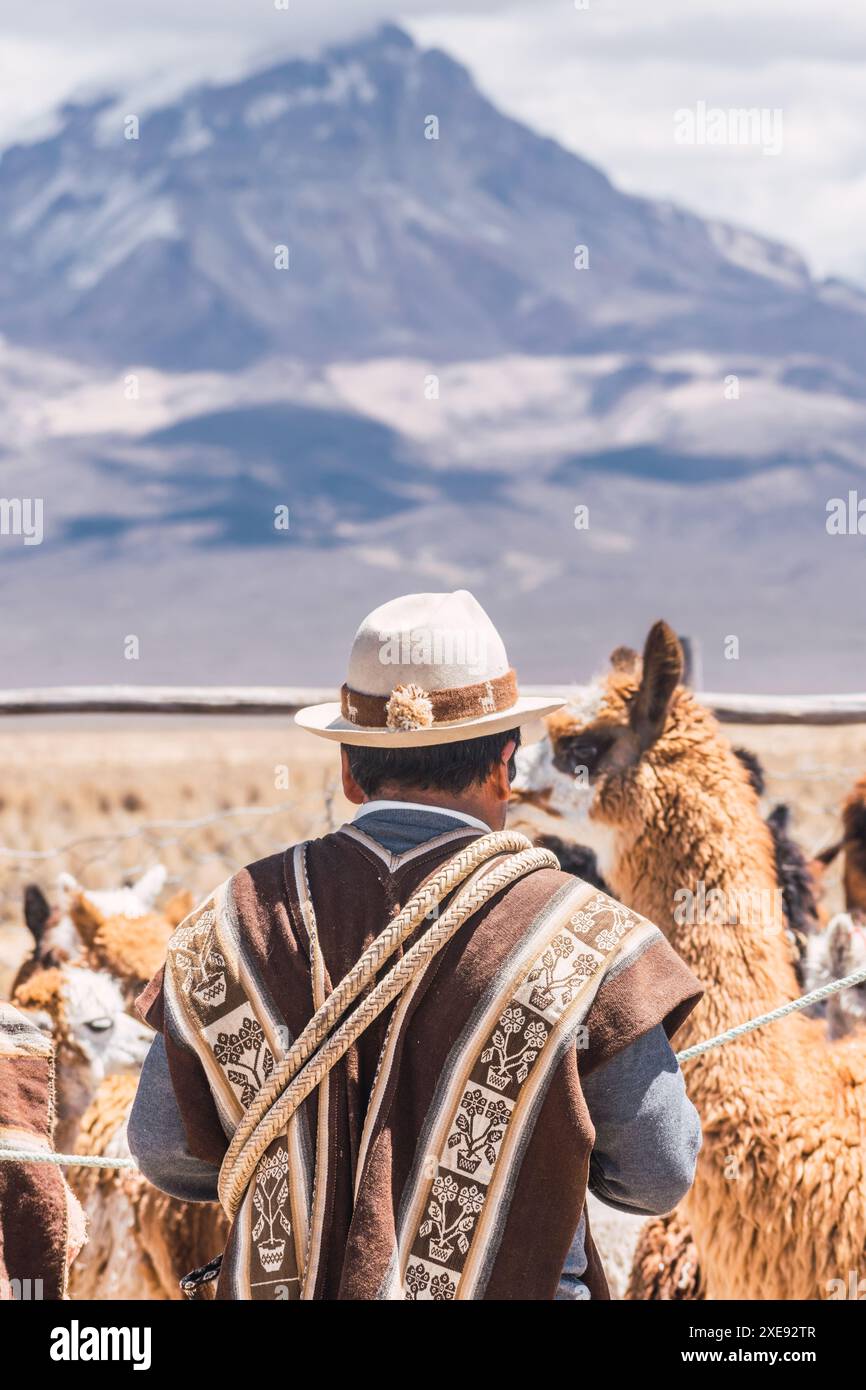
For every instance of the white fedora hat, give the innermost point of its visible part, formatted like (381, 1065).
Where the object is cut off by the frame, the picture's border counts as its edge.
(425, 668)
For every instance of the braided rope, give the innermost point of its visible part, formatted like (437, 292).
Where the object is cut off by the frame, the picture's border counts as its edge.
(431, 893)
(858, 977)
(235, 1176)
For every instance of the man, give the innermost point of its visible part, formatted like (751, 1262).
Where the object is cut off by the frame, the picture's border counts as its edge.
(447, 1154)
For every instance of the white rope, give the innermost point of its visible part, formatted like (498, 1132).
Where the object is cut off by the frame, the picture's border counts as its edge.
(68, 1160)
(813, 997)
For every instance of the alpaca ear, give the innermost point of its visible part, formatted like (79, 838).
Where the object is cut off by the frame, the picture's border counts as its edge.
(148, 888)
(662, 672)
(37, 910)
(826, 857)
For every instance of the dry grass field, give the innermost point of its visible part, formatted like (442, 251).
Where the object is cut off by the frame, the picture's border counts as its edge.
(105, 797)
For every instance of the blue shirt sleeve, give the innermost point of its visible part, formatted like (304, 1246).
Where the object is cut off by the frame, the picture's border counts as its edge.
(157, 1138)
(647, 1132)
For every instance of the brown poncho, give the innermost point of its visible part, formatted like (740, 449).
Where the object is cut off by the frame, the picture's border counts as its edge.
(447, 1155)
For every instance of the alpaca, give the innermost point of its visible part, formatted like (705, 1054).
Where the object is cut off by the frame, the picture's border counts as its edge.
(93, 926)
(141, 1242)
(84, 1012)
(665, 1264)
(776, 1210)
(656, 1258)
(839, 951)
(42, 1225)
(841, 948)
(854, 847)
(666, 1267)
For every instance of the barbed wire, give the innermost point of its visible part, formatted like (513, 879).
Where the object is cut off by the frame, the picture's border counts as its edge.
(247, 832)
(239, 844)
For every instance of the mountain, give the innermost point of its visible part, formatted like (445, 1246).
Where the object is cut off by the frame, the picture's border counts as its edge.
(694, 388)
(160, 250)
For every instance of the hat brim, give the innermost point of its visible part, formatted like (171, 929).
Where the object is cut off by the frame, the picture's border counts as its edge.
(327, 721)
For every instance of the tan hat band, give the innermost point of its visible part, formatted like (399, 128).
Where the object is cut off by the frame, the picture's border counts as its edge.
(412, 707)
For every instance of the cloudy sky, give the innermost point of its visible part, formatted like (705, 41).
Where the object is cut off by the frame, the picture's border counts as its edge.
(605, 80)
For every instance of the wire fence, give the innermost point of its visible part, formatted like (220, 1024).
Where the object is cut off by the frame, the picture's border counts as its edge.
(104, 837)
(202, 850)
(197, 852)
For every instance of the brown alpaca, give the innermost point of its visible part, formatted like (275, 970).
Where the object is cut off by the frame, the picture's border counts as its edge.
(118, 931)
(854, 847)
(777, 1207)
(131, 948)
(666, 1267)
(140, 1241)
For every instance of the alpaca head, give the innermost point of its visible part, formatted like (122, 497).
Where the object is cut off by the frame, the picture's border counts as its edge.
(118, 930)
(637, 759)
(600, 748)
(832, 954)
(84, 1013)
(854, 822)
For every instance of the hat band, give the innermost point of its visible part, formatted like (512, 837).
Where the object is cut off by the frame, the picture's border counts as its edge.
(411, 707)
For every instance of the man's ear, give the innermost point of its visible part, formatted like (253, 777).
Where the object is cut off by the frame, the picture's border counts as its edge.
(662, 673)
(351, 790)
(502, 779)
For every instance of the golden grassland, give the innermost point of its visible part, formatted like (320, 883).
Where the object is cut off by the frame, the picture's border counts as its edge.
(105, 797)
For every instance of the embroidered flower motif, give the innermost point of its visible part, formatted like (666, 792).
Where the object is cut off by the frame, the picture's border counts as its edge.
(228, 1048)
(245, 1057)
(512, 1020)
(445, 1188)
(478, 1128)
(473, 1102)
(442, 1287)
(559, 975)
(200, 961)
(409, 707)
(417, 1279)
(471, 1200)
(587, 917)
(270, 1199)
(444, 1229)
(508, 1064)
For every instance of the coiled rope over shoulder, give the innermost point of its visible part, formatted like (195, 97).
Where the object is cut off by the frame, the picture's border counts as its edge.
(314, 1052)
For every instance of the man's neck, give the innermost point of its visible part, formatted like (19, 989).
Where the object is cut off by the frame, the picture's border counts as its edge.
(483, 808)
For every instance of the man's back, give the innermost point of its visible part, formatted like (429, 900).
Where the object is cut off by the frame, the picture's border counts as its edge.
(477, 1089)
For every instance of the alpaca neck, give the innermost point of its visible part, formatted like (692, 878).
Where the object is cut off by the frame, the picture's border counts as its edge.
(720, 907)
(75, 1091)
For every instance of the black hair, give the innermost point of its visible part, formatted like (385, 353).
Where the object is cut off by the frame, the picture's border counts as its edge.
(446, 767)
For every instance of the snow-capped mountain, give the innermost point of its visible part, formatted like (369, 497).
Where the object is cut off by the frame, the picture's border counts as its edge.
(430, 389)
(160, 249)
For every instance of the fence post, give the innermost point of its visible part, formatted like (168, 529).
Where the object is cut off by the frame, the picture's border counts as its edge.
(693, 670)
